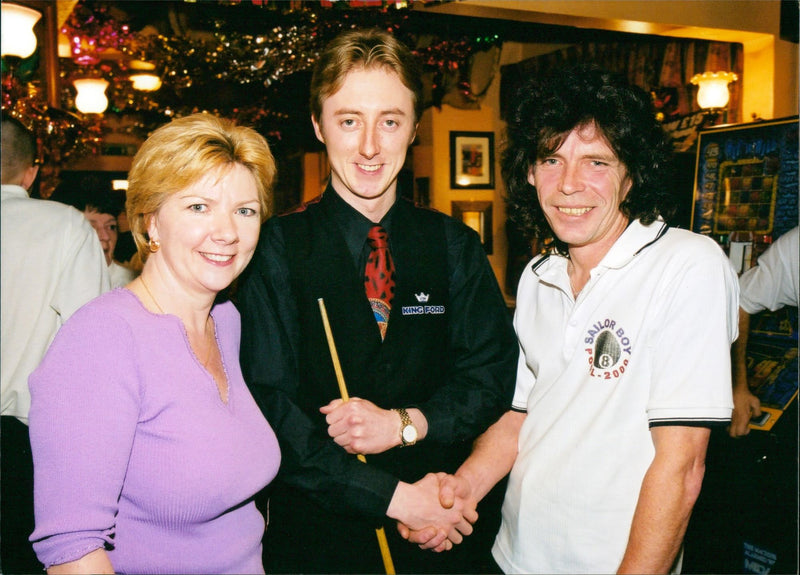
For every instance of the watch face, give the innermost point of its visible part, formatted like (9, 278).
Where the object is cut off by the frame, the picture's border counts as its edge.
(409, 434)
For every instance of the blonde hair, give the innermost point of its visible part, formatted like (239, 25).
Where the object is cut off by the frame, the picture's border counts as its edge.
(180, 153)
(364, 49)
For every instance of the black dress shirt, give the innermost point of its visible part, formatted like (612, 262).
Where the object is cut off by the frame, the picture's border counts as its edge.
(472, 371)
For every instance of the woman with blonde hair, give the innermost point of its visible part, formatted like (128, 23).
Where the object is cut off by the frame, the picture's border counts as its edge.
(148, 447)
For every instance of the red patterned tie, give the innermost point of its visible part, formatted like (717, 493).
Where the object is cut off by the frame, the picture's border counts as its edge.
(379, 276)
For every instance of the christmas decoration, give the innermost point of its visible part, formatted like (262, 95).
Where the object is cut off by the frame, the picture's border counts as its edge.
(91, 31)
(250, 60)
(61, 136)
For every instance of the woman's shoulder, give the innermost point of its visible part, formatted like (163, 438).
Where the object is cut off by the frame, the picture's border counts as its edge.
(99, 333)
(118, 305)
(118, 299)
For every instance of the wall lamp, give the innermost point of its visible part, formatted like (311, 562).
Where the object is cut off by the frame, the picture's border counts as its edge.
(145, 82)
(91, 97)
(18, 38)
(713, 94)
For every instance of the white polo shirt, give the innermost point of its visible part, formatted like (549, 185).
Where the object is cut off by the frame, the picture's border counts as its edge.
(646, 343)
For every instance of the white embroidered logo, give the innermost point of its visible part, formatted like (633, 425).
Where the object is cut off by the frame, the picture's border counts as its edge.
(422, 297)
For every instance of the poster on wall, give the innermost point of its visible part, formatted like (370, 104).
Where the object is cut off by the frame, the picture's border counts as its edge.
(745, 197)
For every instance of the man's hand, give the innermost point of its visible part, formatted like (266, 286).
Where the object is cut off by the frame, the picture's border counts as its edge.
(360, 426)
(454, 491)
(492, 457)
(418, 510)
(745, 406)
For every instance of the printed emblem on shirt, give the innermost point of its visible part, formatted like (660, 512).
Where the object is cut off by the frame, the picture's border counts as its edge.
(609, 349)
(425, 307)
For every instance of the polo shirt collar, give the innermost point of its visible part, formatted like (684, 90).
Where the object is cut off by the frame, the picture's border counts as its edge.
(633, 240)
(636, 238)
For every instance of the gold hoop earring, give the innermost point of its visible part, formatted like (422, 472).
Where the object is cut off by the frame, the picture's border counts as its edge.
(154, 245)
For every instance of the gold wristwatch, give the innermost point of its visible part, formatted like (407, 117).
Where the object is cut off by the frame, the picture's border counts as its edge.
(408, 433)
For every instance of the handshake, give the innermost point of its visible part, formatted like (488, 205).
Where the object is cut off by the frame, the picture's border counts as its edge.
(436, 512)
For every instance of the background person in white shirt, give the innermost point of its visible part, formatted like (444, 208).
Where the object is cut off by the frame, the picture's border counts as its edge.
(772, 284)
(52, 264)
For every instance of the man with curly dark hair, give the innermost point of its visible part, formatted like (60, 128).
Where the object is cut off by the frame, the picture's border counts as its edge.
(625, 326)
(549, 112)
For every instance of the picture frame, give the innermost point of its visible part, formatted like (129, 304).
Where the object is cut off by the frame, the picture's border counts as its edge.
(472, 160)
(478, 216)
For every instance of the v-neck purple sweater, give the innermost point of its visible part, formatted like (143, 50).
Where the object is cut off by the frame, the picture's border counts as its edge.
(135, 451)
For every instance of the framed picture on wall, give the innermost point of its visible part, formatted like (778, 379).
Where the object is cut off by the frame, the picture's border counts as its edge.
(478, 216)
(472, 160)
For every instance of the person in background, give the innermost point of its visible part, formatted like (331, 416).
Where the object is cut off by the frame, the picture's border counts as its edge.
(148, 447)
(772, 284)
(624, 327)
(126, 246)
(101, 211)
(428, 369)
(52, 264)
(100, 206)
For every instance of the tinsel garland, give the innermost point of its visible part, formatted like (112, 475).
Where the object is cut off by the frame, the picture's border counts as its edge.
(92, 30)
(259, 78)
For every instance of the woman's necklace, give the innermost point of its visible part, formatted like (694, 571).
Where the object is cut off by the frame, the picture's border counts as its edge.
(152, 297)
(205, 333)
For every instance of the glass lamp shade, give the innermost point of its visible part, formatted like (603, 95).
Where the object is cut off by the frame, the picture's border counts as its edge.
(713, 90)
(141, 65)
(91, 98)
(17, 37)
(145, 82)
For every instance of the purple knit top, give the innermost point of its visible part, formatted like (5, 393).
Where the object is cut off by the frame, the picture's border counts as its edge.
(135, 451)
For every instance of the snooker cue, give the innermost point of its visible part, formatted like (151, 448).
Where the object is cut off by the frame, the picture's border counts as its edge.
(386, 555)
